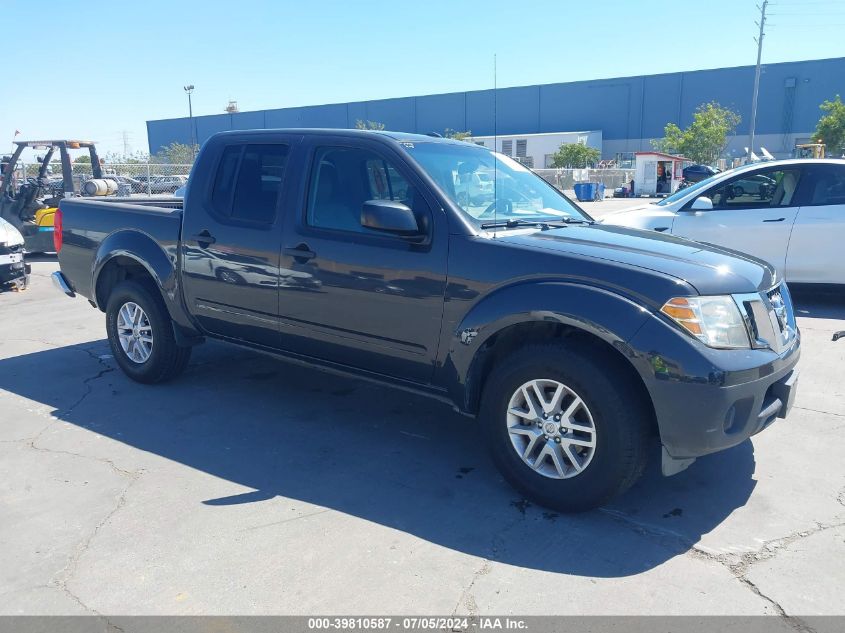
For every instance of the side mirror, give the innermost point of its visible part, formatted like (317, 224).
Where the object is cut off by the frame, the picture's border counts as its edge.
(702, 203)
(389, 216)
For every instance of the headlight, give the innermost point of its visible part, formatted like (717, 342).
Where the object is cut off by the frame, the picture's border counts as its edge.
(715, 321)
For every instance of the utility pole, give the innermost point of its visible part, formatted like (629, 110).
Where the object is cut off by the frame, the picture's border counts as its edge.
(190, 89)
(759, 40)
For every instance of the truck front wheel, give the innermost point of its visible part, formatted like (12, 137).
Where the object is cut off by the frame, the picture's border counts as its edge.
(565, 426)
(141, 335)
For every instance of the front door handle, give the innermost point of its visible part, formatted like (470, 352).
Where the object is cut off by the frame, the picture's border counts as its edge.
(204, 237)
(301, 253)
(775, 220)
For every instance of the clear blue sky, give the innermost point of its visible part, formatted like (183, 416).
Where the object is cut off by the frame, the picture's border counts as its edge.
(94, 69)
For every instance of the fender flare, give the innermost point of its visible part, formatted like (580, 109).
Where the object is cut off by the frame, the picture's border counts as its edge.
(605, 314)
(158, 263)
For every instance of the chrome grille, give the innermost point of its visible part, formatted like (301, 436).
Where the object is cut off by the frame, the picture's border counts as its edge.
(769, 317)
(778, 307)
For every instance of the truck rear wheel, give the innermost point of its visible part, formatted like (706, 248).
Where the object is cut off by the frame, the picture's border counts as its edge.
(564, 426)
(141, 335)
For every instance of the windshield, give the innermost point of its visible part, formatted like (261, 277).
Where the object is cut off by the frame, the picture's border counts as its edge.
(683, 193)
(487, 186)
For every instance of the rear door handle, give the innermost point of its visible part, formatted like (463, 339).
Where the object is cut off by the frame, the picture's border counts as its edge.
(301, 253)
(203, 237)
(775, 220)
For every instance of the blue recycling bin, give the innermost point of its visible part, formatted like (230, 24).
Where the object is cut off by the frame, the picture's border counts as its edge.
(589, 191)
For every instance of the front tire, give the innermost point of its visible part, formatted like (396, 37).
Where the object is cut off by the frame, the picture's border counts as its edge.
(565, 425)
(140, 334)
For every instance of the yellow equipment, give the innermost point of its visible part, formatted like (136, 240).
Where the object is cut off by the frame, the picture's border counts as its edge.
(45, 217)
(809, 150)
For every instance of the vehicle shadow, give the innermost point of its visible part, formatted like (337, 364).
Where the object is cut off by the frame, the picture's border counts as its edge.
(41, 257)
(385, 456)
(827, 303)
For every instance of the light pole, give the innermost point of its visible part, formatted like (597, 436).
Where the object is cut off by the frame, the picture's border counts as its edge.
(189, 89)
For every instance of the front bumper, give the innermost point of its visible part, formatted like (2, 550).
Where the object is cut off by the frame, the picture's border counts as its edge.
(707, 400)
(13, 270)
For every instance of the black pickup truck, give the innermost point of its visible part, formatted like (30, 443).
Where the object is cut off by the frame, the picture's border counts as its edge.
(438, 266)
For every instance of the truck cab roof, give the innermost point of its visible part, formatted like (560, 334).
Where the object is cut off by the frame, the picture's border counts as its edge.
(395, 136)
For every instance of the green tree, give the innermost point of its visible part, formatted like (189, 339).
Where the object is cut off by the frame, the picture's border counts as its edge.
(133, 158)
(360, 124)
(85, 159)
(176, 154)
(830, 129)
(705, 140)
(575, 155)
(458, 136)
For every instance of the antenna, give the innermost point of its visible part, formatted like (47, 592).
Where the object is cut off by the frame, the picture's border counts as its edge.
(495, 151)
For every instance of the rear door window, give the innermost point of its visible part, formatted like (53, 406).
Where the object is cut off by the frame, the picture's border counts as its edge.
(259, 182)
(826, 186)
(224, 180)
(248, 182)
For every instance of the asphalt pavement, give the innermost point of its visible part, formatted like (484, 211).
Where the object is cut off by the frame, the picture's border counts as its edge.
(249, 486)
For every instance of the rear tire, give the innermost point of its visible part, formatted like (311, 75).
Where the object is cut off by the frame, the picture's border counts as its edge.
(140, 334)
(571, 475)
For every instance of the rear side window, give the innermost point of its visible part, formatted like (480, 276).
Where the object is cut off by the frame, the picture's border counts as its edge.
(224, 182)
(827, 186)
(248, 181)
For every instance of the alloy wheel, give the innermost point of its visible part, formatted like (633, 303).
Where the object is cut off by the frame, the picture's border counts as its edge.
(551, 428)
(134, 332)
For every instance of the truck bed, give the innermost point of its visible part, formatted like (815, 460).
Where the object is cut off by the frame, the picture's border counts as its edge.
(88, 223)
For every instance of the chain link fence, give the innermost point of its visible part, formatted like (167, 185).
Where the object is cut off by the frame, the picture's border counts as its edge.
(565, 179)
(130, 179)
(155, 179)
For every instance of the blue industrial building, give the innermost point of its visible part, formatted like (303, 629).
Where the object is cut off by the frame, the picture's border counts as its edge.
(629, 111)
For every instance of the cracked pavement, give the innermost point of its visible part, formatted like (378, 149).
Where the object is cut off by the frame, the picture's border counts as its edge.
(249, 486)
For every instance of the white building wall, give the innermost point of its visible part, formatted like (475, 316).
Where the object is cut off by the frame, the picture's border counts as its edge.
(540, 146)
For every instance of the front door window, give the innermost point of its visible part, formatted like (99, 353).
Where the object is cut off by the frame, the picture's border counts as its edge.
(761, 190)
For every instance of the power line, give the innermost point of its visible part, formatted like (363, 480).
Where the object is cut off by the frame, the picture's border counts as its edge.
(801, 4)
(814, 25)
(807, 14)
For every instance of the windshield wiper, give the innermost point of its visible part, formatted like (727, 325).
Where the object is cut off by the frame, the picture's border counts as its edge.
(543, 225)
(574, 221)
